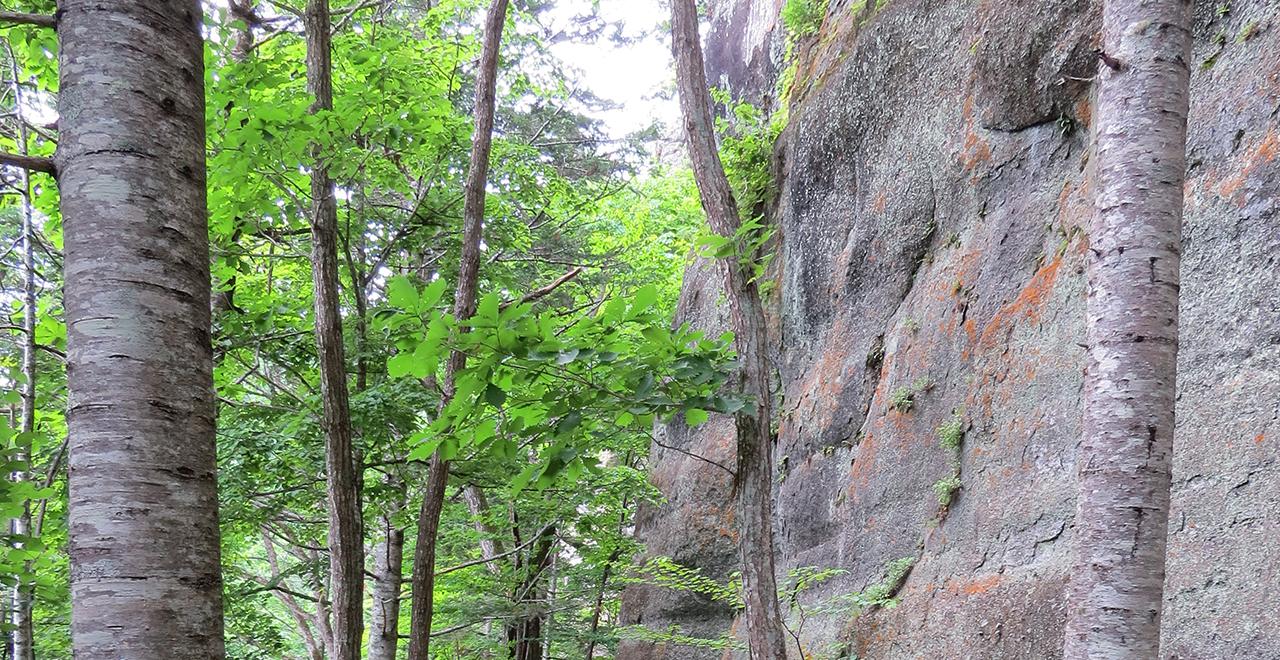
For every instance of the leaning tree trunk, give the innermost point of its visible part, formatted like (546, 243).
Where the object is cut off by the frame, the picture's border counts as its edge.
(464, 307)
(143, 527)
(346, 536)
(1117, 572)
(766, 636)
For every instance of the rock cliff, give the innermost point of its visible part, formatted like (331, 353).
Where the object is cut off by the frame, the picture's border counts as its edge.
(932, 229)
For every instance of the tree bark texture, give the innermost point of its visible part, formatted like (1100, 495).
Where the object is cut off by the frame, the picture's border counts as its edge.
(1117, 572)
(464, 307)
(754, 479)
(346, 536)
(384, 624)
(143, 521)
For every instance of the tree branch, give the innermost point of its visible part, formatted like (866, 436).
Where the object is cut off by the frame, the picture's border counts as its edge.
(33, 163)
(546, 290)
(477, 562)
(20, 18)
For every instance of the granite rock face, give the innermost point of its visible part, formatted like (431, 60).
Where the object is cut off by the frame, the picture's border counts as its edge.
(932, 222)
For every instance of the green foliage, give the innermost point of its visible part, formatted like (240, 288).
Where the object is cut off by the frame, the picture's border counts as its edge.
(665, 572)
(561, 389)
(804, 17)
(903, 399)
(945, 489)
(951, 432)
(746, 151)
(882, 592)
(673, 636)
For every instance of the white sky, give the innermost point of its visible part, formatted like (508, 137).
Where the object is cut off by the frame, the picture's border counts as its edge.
(630, 75)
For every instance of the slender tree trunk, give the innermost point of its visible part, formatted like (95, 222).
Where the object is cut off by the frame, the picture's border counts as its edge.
(314, 650)
(1117, 571)
(22, 637)
(464, 307)
(388, 562)
(143, 522)
(346, 536)
(599, 606)
(490, 546)
(765, 633)
(524, 637)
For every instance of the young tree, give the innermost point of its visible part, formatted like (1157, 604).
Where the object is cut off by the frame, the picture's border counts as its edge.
(1117, 572)
(22, 646)
(346, 536)
(464, 307)
(143, 528)
(754, 477)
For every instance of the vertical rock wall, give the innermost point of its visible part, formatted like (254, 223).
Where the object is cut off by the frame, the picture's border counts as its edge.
(932, 230)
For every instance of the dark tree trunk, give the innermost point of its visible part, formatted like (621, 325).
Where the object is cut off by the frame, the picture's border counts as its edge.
(346, 536)
(143, 527)
(1117, 571)
(524, 637)
(464, 307)
(753, 482)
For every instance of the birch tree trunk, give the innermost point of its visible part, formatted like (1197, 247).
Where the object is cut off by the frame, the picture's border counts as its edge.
(384, 624)
(754, 479)
(346, 536)
(1117, 572)
(143, 522)
(464, 307)
(22, 644)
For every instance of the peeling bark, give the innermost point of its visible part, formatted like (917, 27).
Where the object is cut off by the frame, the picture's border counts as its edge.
(346, 536)
(143, 522)
(754, 479)
(1117, 572)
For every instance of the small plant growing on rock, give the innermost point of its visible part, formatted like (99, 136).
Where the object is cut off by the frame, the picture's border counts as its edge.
(950, 436)
(882, 593)
(911, 325)
(945, 489)
(804, 17)
(951, 433)
(904, 398)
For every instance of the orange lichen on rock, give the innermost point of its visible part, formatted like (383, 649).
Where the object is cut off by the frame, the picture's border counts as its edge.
(1260, 156)
(1027, 306)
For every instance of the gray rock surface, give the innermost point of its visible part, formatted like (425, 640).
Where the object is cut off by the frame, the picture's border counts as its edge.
(932, 216)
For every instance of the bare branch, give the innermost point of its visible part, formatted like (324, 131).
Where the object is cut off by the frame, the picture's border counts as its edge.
(33, 163)
(20, 18)
(508, 553)
(546, 290)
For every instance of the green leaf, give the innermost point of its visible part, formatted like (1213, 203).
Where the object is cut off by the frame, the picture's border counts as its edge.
(495, 396)
(643, 300)
(525, 477)
(432, 294)
(402, 293)
(695, 416)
